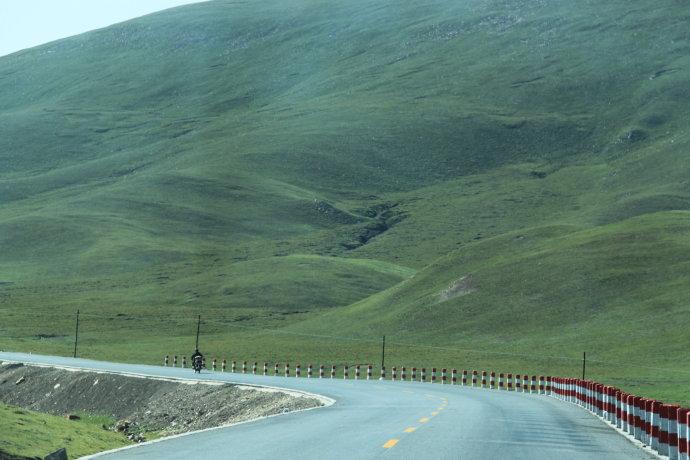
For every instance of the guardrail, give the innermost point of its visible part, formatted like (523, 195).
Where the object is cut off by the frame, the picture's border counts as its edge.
(665, 428)
(491, 380)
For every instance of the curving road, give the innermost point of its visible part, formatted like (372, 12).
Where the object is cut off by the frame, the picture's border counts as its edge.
(372, 419)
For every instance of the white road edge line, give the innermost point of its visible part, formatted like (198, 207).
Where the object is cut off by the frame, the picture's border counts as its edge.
(325, 400)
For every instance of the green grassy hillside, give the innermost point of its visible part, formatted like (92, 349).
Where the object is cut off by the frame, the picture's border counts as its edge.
(34, 435)
(488, 183)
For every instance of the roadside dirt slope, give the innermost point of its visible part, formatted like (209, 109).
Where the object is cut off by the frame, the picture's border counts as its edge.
(142, 404)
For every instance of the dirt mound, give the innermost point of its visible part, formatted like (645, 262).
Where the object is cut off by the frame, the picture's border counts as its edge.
(142, 404)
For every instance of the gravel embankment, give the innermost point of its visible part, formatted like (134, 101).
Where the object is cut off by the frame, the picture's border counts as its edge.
(142, 404)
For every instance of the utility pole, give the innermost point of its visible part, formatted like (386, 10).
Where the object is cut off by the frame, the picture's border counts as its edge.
(584, 361)
(76, 335)
(198, 325)
(383, 353)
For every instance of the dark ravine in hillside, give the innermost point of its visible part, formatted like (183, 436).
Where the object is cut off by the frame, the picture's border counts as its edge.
(382, 218)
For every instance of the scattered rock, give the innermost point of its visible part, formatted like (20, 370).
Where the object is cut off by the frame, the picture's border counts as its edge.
(635, 135)
(22, 379)
(60, 454)
(72, 417)
(122, 425)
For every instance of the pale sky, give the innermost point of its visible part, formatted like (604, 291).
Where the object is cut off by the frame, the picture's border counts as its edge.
(28, 23)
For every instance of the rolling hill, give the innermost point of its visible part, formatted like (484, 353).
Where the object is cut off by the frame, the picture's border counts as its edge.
(489, 183)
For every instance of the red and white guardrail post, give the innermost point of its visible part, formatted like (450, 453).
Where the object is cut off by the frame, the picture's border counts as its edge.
(464, 377)
(333, 371)
(310, 371)
(394, 373)
(403, 374)
(683, 418)
(663, 430)
(422, 377)
(254, 367)
(287, 369)
(649, 420)
(483, 379)
(298, 370)
(265, 369)
(357, 372)
(244, 367)
(474, 378)
(369, 371)
(413, 377)
(454, 377)
(321, 371)
(443, 376)
(346, 372)
(275, 370)
(184, 362)
(433, 375)
(656, 426)
(165, 361)
(631, 414)
(673, 431)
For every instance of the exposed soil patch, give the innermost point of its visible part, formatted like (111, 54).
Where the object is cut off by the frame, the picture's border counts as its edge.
(141, 404)
(459, 287)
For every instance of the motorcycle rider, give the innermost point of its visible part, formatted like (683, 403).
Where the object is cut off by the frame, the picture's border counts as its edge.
(197, 360)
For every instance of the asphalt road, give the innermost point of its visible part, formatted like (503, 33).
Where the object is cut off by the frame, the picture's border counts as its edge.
(372, 419)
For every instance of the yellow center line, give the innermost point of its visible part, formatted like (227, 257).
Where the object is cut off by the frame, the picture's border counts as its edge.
(440, 408)
(410, 429)
(434, 414)
(390, 443)
(423, 420)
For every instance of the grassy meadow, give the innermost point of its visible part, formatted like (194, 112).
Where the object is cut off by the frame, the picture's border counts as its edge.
(32, 434)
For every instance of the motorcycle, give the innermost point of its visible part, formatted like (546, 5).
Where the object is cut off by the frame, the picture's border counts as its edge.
(198, 364)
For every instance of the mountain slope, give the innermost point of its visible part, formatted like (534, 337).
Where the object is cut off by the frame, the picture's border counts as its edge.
(249, 160)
